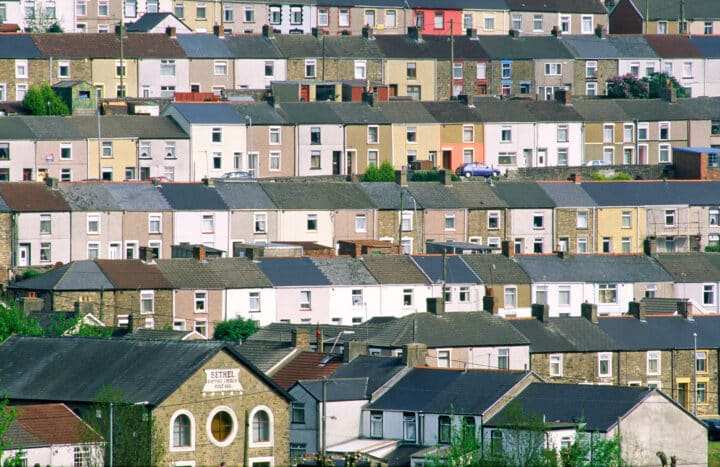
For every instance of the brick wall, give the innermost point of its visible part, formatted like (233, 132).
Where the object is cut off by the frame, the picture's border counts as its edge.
(643, 172)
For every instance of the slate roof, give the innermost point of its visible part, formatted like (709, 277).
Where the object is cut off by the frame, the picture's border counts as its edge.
(260, 113)
(351, 47)
(164, 334)
(210, 114)
(203, 46)
(133, 274)
(306, 365)
(599, 407)
(592, 268)
(709, 46)
(670, 9)
(32, 197)
(406, 112)
(456, 270)
(657, 305)
(137, 197)
(377, 370)
(566, 335)
(252, 47)
(129, 126)
(559, 6)
(107, 45)
(662, 332)
(456, 329)
(431, 47)
(313, 195)
(76, 275)
(336, 390)
(50, 369)
(394, 269)
(567, 194)
(44, 425)
(264, 354)
(524, 48)
(292, 272)
(214, 273)
(445, 391)
(690, 267)
(282, 332)
(148, 21)
(653, 193)
(702, 107)
(88, 197)
(590, 46)
(14, 128)
(673, 46)
(305, 113)
(492, 110)
(432, 195)
(299, 45)
(344, 271)
(352, 113)
(632, 46)
(18, 46)
(461, 4)
(52, 128)
(523, 195)
(192, 196)
(496, 269)
(451, 112)
(239, 273)
(243, 195)
(386, 195)
(476, 195)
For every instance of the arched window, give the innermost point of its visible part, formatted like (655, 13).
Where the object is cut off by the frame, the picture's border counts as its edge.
(182, 432)
(261, 427)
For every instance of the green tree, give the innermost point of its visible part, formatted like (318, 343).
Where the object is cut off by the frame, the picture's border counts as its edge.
(136, 439)
(42, 100)
(42, 21)
(627, 86)
(237, 329)
(13, 320)
(7, 416)
(658, 81)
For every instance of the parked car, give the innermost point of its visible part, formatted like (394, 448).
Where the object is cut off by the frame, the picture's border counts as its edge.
(713, 425)
(596, 162)
(240, 174)
(474, 169)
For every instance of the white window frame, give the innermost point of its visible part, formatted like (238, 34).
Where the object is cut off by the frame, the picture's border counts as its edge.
(555, 360)
(93, 224)
(145, 297)
(152, 219)
(605, 357)
(201, 301)
(653, 355)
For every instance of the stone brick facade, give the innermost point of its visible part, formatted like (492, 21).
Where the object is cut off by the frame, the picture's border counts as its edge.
(191, 399)
(478, 225)
(606, 69)
(388, 227)
(335, 70)
(566, 222)
(522, 70)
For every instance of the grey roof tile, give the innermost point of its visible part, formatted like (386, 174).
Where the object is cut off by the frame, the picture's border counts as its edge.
(406, 112)
(203, 46)
(292, 272)
(252, 47)
(18, 46)
(386, 195)
(129, 126)
(309, 112)
(192, 196)
(662, 332)
(567, 194)
(599, 407)
(344, 271)
(74, 369)
(51, 128)
(76, 275)
(445, 391)
(137, 197)
(691, 267)
(14, 128)
(558, 6)
(88, 197)
(378, 370)
(264, 354)
(438, 47)
(524, 48)
(474, 194)
(243, 194)
(215, 113)
(593, 268)
(670, 9)
(148, 21)
(336, 389)
(433, 195)
(523, 195)
(632, 47)
(456, 270)
(496, 269)
(261, 114)
(314, 195)
(590, 47)
(394, 269)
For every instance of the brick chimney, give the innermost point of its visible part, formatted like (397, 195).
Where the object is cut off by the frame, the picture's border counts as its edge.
(218, 31)
(489, 302)
(575, 177)
(685, 309)
(401, 177)
(414, 354)
(507, 247)
(514, 33)
(268, 31)
(589, 312)
(199, 253)
(445, 177)
(556, 31)
(301, 339)
(415, 33)
(354, 349)
(170, 31)
(563, 96)
(600, 31)
(668, 92)
(146, 254)
(367, 32)
(541, 312)
(472, 33)
(435, 305)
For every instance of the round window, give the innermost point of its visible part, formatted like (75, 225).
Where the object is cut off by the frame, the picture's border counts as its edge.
(221, 426)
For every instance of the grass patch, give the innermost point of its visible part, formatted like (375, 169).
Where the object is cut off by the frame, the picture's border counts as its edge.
(714, 454)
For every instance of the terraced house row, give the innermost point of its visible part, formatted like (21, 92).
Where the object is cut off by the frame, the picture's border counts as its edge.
(42, 226)
(190, 142)
(330, 16)
(430, 67)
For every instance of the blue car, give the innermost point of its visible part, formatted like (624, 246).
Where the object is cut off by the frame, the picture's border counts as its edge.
(475, 169)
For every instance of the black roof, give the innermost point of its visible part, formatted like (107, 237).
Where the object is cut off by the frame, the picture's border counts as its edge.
(431, 47)
(592, 268)
(192, 196)
(663, 332)
(446, 391)
(456, 270)
(524, 48)
(74, 369)
(566, 335)
(378, 370)
(292, 272)
(523, 195)
(599, 407)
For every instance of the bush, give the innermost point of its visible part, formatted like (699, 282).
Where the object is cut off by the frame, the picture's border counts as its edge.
(42, 100)
(237, 329)
(385, 173)
(617, 176)
(430, 176)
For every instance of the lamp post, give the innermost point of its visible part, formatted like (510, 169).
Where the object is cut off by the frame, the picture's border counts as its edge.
(695, 373)
(248, 119)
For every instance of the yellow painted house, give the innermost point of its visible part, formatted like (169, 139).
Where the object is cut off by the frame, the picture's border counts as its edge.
(115, 158)
(415, 132)
(368, 136)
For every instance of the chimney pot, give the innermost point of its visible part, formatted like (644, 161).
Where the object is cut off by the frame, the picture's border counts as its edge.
(507, 248)
(218, 31)
(268, 31)
(301, 339)
(589, 312)
(414, 354)
(401, 177)
(541, 312)
(367, 32)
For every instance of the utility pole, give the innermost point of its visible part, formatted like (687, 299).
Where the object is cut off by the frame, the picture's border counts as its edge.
(324, 417)
(402, 210)
(110, 462)
(695, 373)
(444, 277)
(452, 58)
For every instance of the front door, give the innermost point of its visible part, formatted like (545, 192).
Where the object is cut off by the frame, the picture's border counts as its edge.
(447, 159)
(24, 255)
(349, 163)
(683, 395)
(337, 162)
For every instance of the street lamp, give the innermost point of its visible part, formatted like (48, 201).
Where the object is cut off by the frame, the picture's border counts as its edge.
(695, 373)
(248, 119)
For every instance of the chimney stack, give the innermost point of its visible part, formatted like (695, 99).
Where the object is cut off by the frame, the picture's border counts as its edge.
(268, 31)
(541, 312)
(445, 177)
(401, 177)
(207, 181)
(436, 305)
(685, 309)
(367, 32)
(507, 248)
(317, 32)
(170, 31)
(218, 31)
(301, 339)
(575, 177)
(146, 254)
(563, 96)
(514, 33)
(415, 33)
(414, 354)
(556, 31)
(51, 182)
(600, 31)
(354, 349)
(589, 312)
(472, 33)
(636, 310)
(199, 253)
(489, 301)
